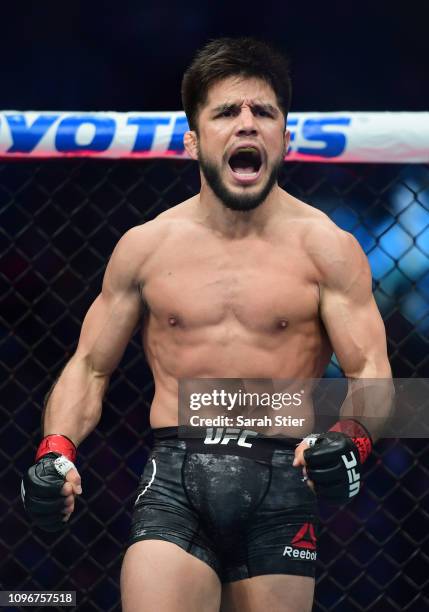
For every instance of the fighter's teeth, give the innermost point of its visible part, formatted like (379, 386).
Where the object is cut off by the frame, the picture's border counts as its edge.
(246, 150)
(245, 173)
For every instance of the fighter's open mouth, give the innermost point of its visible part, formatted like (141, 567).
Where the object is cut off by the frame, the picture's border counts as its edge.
(246, 160)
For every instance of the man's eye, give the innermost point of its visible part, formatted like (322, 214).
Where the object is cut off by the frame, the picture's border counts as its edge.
(263, 113)
(225, 113)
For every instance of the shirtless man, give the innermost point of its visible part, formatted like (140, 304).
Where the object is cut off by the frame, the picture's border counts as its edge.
(240, 281)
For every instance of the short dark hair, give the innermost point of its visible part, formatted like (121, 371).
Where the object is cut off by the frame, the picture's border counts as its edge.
(226, 57)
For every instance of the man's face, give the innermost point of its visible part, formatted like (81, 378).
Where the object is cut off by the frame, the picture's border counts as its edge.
(241, 141)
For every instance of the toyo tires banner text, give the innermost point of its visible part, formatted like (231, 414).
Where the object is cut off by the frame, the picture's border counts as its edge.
(389, 137)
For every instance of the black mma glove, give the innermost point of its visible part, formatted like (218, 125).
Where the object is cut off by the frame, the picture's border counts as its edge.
(334, 460)
(42, 483)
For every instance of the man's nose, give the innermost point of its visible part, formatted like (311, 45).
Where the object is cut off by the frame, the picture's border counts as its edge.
(246, 125)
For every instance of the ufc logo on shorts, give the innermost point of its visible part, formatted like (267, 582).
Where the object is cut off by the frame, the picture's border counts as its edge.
(224, 435)
(354, 477)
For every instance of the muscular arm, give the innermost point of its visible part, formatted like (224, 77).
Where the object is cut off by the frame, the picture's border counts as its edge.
(356, 330)
(74, 406)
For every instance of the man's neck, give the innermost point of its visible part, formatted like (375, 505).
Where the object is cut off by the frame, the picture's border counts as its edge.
(236, 224)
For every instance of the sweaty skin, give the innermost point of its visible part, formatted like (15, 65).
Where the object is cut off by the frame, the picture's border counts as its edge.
(220, 306)
(271, 304)
(213, 306)
(266, 291)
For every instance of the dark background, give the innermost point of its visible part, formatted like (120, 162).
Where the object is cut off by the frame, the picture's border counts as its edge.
(60, 219)
(130, 55)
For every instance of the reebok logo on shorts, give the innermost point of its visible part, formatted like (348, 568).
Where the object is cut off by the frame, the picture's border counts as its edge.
(303, 545)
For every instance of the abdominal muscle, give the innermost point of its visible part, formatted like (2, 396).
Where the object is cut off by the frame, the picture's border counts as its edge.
(230, 351)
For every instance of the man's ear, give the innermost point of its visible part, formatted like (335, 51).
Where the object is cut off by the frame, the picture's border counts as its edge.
(287, 141)
(190, 140)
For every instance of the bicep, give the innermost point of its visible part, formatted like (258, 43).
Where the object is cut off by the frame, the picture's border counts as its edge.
(357, 335)
(352, 319)
(113, 316)
(106, 331)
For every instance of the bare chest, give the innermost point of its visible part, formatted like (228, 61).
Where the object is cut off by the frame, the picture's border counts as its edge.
(253, 283)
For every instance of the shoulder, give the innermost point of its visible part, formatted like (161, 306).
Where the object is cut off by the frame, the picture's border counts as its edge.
(335, 253)
(140, 242)
(323, 238)
(141, 239)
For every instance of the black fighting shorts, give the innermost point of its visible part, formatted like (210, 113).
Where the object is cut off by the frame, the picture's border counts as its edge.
(243, 514)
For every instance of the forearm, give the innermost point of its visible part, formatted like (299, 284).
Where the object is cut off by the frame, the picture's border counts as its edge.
(74, 405)
(369, 401)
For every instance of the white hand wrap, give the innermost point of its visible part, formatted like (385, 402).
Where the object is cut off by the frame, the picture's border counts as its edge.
(311, 439)
(63, 465)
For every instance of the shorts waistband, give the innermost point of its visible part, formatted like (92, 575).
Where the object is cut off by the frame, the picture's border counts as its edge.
(228, 441)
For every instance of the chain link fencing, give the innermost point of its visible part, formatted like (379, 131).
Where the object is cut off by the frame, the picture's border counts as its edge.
(59, 222)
